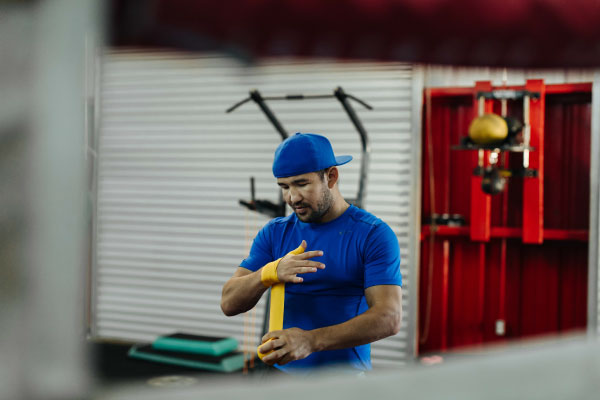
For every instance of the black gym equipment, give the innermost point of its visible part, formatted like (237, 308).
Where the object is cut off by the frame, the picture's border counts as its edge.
(515, 127)
(493, 180)
(229, 362)
(273, 210)
(444, 219)
(494, 177)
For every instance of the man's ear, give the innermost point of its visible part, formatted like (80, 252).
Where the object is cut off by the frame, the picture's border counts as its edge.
(332, 177)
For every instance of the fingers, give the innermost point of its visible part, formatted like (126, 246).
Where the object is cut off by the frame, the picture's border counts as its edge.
(288, 270)
(303, 270)
(306, 267)
(306, 254)
(294, 264)
(283, 346)
(309, 254)
(270, 335)
(298, 265)
(271, 345)
(274, 357)
(266, 347)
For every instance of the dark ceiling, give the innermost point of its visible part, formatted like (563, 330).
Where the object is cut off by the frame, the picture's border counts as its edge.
(511, 33)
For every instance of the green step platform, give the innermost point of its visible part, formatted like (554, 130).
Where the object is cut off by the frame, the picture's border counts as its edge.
(192, 351)
(212, 346)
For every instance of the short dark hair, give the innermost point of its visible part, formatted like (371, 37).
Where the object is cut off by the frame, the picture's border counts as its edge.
(322, 173)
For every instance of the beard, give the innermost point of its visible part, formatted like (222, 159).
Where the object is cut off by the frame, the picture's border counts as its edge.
(315, 215)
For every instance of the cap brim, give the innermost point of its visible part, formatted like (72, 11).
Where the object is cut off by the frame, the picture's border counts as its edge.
(341, 160)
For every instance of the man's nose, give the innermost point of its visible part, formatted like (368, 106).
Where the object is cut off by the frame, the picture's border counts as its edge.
(295, 196)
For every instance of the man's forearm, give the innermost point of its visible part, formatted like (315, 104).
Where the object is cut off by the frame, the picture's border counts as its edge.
(381, 320)
(245, 288)
(241, 293)
(374, 324)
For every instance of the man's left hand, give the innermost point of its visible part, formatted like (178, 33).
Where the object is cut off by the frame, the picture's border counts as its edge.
(287, 345)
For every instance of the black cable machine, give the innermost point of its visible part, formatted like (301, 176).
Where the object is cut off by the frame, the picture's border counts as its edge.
(273, 210)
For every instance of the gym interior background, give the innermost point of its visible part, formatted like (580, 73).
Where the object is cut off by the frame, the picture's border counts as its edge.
(122, 176)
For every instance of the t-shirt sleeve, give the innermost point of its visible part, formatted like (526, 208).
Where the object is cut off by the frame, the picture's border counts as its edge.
(382, 257)
(260, 252)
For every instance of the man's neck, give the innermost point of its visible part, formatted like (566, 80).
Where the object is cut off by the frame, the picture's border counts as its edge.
(338, 207)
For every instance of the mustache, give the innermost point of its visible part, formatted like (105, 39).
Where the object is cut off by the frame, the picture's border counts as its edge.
(299, 205)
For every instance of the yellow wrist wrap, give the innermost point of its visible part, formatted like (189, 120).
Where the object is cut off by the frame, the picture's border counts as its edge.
(268, 273)
(277, 296)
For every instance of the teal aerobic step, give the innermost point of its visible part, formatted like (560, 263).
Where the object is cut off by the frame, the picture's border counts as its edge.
(225, 363)
(208, 345)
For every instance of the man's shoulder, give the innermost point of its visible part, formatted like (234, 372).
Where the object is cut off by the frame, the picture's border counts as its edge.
(371, 225)
(364, 217)
(280, 221)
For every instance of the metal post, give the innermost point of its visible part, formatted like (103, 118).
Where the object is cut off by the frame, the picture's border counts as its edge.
(593, 257)
(366, 147)
(526, 130)
(481, 203)
(258, 99)
(533, 186)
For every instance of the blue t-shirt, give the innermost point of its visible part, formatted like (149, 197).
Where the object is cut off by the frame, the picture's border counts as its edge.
(359, 251)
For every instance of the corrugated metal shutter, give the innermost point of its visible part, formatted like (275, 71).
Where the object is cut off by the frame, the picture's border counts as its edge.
(172, 167)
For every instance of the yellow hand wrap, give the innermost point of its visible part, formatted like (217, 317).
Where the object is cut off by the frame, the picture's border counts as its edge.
(269, 274)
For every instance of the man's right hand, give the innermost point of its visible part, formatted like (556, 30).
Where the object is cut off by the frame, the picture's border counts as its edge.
(292, 265)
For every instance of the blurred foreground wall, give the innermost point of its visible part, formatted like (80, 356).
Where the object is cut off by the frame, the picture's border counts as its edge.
(44, 215)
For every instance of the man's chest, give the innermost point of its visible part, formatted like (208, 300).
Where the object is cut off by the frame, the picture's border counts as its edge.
(343, 256)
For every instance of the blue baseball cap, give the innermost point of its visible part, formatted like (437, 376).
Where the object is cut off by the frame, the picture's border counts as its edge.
(303, 153)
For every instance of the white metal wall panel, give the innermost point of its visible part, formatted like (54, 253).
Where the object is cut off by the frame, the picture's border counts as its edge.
(172, 167)
(437, 75)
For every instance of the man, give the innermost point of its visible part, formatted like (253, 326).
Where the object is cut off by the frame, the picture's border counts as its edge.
(343, 292)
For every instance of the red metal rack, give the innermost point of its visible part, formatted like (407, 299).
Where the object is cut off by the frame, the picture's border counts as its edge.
(517, 266)
(533, 182)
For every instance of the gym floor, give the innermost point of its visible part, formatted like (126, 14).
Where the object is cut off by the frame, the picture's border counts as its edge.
(111, 365)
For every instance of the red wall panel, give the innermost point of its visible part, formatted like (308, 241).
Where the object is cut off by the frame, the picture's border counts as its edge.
(535, 289)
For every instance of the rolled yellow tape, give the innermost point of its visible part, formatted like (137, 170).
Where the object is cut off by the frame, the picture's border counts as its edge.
(277, 304)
